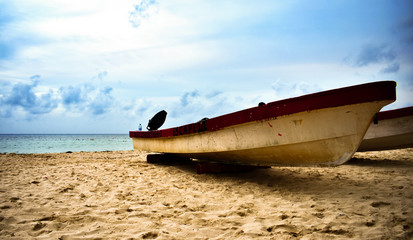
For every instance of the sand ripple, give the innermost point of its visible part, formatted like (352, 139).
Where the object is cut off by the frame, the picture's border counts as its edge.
(117, 195)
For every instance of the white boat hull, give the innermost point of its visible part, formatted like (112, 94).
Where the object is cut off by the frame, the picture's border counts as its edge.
(328, 136)
(387, 134)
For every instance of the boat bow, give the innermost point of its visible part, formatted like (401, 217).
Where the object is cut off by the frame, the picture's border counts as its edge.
(323, 128)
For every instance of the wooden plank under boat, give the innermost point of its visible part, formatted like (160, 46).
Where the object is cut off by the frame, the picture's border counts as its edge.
(391, 129)
(324, 128)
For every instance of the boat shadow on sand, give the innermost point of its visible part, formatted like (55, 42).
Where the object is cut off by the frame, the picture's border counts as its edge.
(316, 182)
(365, 162)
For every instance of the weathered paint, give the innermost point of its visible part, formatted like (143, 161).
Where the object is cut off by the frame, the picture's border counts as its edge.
(325, 137)
(324, 128)
(385, 90)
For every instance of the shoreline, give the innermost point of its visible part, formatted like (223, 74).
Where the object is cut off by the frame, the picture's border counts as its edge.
(118, 195)
(46, 143)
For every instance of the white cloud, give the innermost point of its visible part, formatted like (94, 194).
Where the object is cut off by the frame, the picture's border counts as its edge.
(231, 53)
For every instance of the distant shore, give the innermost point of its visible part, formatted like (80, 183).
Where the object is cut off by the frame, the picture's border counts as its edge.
(117, 195)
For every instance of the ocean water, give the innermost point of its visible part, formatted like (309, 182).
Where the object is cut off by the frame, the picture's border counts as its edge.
(55, 143)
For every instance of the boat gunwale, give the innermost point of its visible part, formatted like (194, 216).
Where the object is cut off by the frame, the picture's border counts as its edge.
(395, 113)
(375, 91)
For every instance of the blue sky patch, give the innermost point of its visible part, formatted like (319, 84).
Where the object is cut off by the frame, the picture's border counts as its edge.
(87, 67)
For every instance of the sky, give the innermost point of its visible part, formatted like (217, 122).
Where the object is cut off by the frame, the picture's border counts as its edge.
(104, 66)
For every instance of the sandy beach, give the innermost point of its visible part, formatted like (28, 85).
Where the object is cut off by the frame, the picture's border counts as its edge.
(118, 195)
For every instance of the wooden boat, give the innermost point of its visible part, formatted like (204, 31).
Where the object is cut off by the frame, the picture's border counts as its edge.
(324, 128)
(391, 129)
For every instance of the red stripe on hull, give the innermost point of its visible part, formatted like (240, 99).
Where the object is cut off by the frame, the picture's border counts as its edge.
(376, 91)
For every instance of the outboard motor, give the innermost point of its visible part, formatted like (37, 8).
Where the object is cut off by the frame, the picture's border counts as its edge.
(157, 121)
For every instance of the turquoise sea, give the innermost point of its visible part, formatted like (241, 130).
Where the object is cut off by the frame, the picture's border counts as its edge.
(55, 143)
